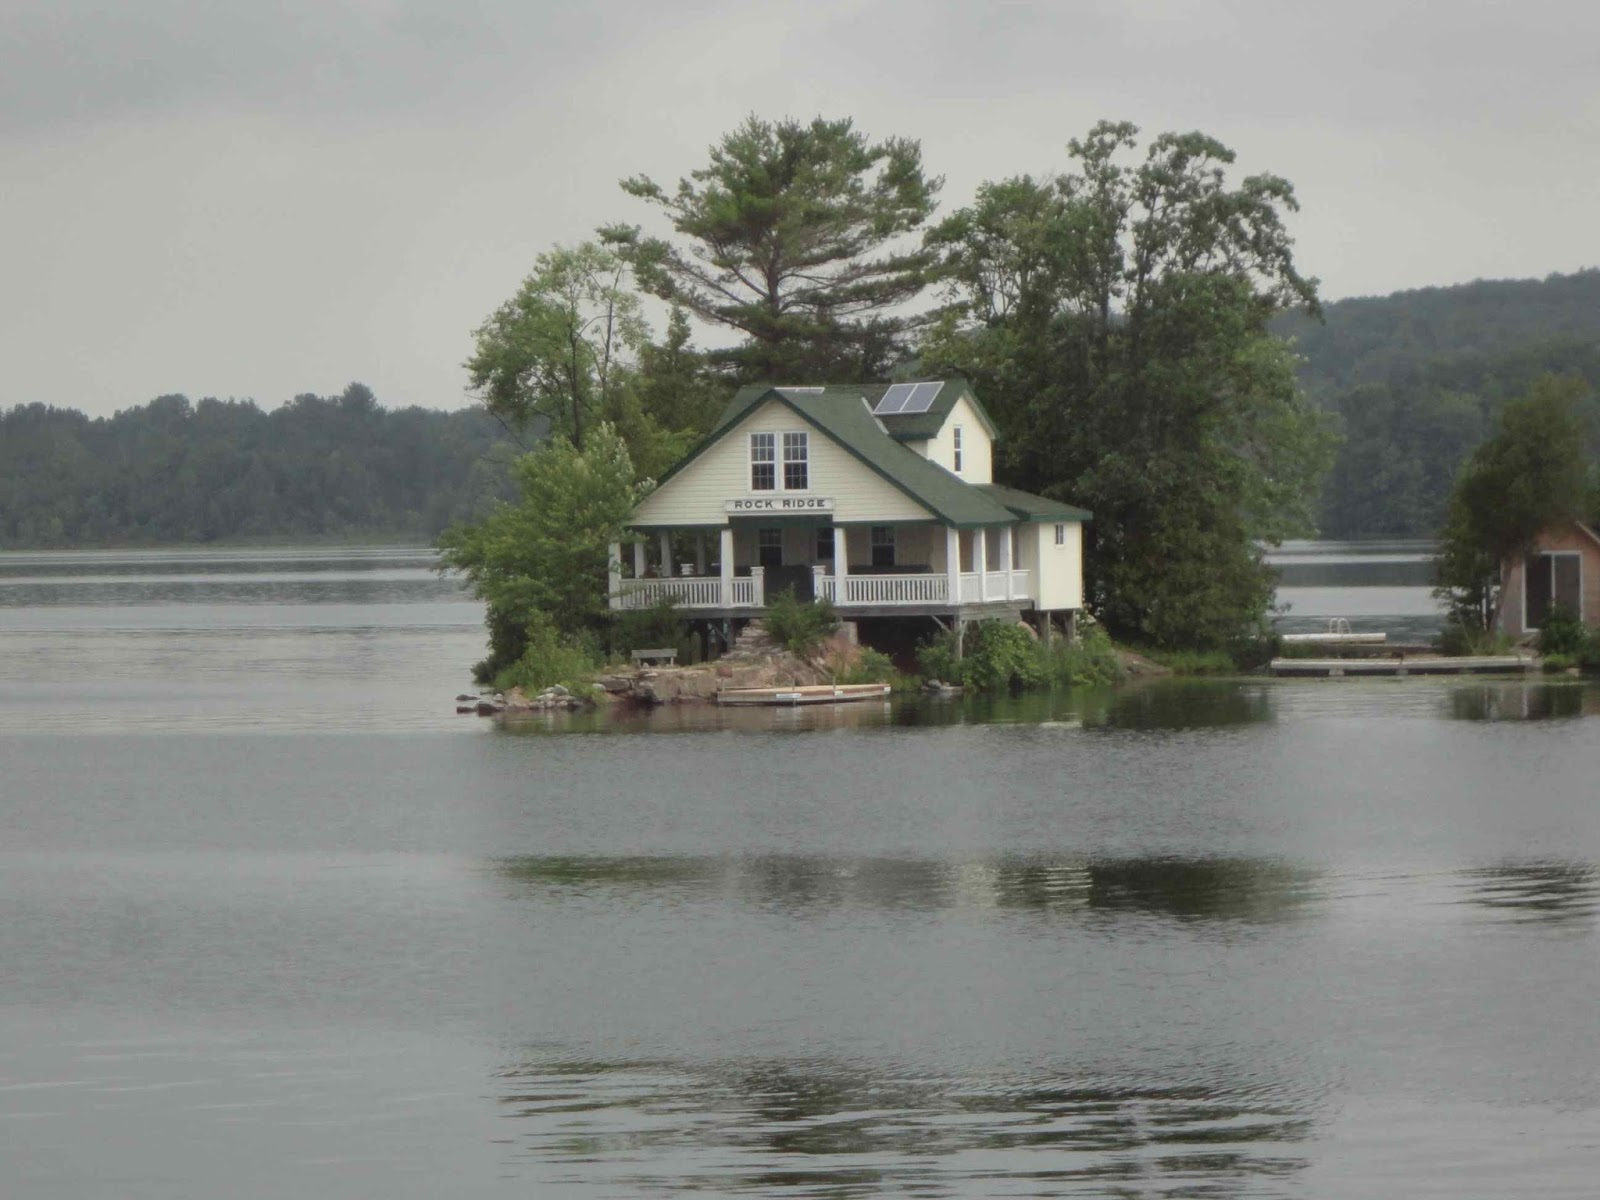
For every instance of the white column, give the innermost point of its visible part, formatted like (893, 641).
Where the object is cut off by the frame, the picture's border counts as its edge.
(725, 564)
(980, 560)
(952, 564)
(666, 554)
(614, 573)
(841, 563)
(1005, 556)
(638, 560)
(699, 553)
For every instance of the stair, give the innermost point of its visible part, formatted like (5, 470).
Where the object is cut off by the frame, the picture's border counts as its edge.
(754, 642)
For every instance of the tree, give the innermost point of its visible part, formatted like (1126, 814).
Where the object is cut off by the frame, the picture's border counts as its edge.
(544, 557)
(788, 237)
(1114, 320)
(557, 354)
(1529, 475)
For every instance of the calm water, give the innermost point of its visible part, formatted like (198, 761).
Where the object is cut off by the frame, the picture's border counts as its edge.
(277, 922)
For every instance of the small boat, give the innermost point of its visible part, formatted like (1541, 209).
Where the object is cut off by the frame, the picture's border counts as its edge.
(824, 693)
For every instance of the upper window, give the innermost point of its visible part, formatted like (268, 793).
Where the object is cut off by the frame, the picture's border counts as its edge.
(1061, 535)
(1553, 579)
(796, 473)
(883, 545)
(955, 434)
(763, 462)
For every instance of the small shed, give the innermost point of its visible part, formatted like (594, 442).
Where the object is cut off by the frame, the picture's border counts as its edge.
(1563, 569)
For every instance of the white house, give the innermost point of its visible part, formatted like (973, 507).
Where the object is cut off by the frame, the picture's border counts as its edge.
(879, 497)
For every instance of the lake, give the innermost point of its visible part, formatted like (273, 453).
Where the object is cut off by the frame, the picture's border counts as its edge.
(277, 921)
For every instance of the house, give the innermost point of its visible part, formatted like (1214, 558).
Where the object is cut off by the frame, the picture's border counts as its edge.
(880, 498)
(1564, 569)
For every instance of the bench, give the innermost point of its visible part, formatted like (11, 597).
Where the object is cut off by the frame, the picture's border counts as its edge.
(668, 656)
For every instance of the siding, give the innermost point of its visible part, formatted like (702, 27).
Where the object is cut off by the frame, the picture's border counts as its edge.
(1058, 569)
(1571, 539)
(977, 465)
(696, 495)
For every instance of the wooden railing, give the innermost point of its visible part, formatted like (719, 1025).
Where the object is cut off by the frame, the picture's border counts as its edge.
(991, 585)
(894, 589)
(691, 591)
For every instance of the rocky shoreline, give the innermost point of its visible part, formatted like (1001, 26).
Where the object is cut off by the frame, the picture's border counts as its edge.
(755, 661)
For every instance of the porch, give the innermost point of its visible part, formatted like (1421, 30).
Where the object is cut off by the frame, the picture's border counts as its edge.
(862, 570)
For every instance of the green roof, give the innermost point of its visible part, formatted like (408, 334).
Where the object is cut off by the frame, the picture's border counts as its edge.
(844, 413)
(1034, 508)
(912, 427)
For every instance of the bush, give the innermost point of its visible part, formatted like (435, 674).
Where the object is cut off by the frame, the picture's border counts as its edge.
(1563, 633)
(1554, 664)
(550, 658)
(1460, 640)
(870, 667)
(652, 628)
(1194, 662)
(1090, 659)
(1005, 656)
(800, 625)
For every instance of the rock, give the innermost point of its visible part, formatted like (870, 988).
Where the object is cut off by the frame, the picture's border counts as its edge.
(466, 708)
(559, 690)
(615, 683)
(518, 699)
(466, 699)
(488, 708)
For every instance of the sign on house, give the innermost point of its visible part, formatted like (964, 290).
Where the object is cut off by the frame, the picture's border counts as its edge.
(755, 506)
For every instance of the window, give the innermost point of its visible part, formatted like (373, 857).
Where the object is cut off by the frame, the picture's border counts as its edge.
(1552, 579)
(1061, 535)
(795, 473)
(763, 456)
(769, 547)
(883, 545)
(825, 543)
(955, 433)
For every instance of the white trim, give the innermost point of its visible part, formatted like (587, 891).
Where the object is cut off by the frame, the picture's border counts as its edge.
(956, 448)
(1577, 554)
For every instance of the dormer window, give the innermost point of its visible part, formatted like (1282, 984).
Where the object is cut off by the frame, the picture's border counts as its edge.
(955, 433)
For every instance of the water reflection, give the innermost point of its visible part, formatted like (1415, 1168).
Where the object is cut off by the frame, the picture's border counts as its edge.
(838, 1128)
(1518, 701)
(1198, 890)
(1550, 893)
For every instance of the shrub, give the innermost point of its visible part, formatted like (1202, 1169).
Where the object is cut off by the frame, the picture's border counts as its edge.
(651, 628)
(870, 666)
(936, 657)
(1563, 633)
(1001, 655)
(1458, 639)
(550, 657)
(800, 625)
(1554, 664)
(1090, 659)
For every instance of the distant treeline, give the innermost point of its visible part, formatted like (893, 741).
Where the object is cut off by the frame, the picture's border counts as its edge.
(1417, 378)
(174, 471)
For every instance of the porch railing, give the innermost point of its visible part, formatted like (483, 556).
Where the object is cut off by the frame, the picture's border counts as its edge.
(691, 591)
(991, 585)
(893, 589)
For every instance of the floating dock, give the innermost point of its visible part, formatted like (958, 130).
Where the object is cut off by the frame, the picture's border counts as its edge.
(1485, 664)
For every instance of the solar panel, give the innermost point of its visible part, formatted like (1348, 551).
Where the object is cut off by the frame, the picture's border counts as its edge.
(894, 400)
(921, 398)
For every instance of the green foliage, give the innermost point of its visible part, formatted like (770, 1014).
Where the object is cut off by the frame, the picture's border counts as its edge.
(1555, 664)
(1464, 639)
(548, 552)
(1195, 662)
(786, 237)
(871, 666)
(175, 471)
(1529, 475)
(799, 624)
(1563, 633)
(549, 657)
(1114, 320)
(660, 625)
(1002, 656)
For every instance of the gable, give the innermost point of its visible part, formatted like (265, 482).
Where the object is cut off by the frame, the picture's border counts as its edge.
(697, 490)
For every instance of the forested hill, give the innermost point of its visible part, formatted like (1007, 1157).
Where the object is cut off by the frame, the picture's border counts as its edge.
(1417, 378)
(172, 471)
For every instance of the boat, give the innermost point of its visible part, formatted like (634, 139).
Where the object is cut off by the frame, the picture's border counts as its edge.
(823, 693)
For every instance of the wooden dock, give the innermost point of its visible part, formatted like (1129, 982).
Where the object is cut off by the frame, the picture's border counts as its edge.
(1485, 664)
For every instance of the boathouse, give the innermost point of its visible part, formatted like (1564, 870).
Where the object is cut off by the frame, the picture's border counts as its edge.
(880, 498)
(1563, 569)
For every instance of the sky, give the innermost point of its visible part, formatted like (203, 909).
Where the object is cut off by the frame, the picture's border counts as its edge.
(271, 197)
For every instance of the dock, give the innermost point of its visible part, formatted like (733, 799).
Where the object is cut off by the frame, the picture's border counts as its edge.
(1483, 664)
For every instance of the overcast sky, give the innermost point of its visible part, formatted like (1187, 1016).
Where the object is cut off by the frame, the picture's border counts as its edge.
(278, 196)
